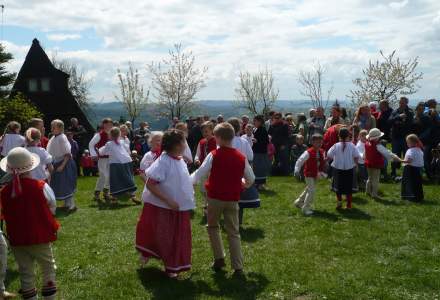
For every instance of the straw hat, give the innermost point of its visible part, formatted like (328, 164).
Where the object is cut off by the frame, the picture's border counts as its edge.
(375, 134)
(19, 161)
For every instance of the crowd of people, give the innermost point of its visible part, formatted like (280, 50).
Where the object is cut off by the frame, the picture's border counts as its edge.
(229, 161)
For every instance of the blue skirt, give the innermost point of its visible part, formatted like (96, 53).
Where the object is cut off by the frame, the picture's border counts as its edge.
(249, 198)
(261, 165)
(122, 179)
(64, 183)
(344, 182)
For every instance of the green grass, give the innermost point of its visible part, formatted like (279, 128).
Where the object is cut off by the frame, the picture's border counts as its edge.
(379, 250)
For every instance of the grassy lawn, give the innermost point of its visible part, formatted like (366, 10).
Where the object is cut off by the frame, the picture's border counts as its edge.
(378, 250)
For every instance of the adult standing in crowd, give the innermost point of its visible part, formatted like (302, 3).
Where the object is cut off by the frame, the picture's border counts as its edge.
(142, 130)
(195, 134)
(401, 121)
(383, 120)
(79, 134)
(364, 119)
(336, 118)
(431, 137)
(279, 131)
(316, 123)
(130, 130)
(261, 163)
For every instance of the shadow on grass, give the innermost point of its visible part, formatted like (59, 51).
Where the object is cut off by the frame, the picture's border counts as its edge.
(322, 214)
(355, 214)
(161, 287)
(62, 213)
(11, 275)
(360, 201)
(389, 202)
(269, 193)
(429, 202)
(251, 235)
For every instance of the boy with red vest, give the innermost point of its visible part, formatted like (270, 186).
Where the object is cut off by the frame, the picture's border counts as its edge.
(28, 206)
(314, 166)
(226, 167)
(374, 157)
(205, 146)
(99, 140)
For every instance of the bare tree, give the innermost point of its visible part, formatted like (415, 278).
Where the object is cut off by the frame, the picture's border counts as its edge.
(256, 92)
(176, 81)
(79, 84)
(132, 94)
(312, 83)
(386, 79)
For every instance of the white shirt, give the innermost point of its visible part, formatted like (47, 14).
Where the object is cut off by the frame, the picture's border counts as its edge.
(203, 172)
(147, 160)
(126, 142)
(50, 197)
(173, 181)
(415, 154)
(117, 153)
(360, 146)
(187, 154)
(343, 159)
(58, 147)
(387, 154)
(11, 141)
(248, 138)
(95, 140)
(40, 172)
(243, 146)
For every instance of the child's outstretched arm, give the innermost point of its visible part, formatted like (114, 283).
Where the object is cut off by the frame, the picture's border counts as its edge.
(300, 162)
(203, 171)
(387, 153)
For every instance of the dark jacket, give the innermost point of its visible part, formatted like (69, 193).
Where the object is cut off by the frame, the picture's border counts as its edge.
(422, 126)
(400, 128)
(383, 124)
(262, 139)
(279, 133)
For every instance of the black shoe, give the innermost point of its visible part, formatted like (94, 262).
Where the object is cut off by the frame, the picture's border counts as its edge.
(218, 265)
(238, 274)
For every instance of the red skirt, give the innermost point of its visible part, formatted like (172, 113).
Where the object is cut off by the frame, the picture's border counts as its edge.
(165, 234)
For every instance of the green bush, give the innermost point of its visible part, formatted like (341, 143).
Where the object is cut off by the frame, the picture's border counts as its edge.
(17, 109)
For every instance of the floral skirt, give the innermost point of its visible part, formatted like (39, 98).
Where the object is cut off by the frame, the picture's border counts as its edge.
(166, 235)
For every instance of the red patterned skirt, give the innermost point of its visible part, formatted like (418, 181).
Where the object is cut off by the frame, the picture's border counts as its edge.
(165, 234)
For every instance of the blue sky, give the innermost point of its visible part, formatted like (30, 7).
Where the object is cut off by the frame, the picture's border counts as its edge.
(230, 36)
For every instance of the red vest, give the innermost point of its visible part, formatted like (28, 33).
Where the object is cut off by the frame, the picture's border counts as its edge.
(103, 139)
(373, 158)
(28, 217)
(225, 179)
(311, 168)
(206, 146)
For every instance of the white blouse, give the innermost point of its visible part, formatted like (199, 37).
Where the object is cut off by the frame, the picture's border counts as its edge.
(360, 146)
(58, 147)
(343, 159)
(243, 146)
(40, 172)
(248, 138)
(11, 141)
(147, 160)
(117, 153)
(187, 154)
(415, 154)
(173, 180)
(126, 142)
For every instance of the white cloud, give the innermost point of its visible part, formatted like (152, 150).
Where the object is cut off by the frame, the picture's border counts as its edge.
(229, 35)
(59, 37)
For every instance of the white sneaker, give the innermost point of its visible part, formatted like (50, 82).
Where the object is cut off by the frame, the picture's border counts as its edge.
(298, 203)
(307, 212)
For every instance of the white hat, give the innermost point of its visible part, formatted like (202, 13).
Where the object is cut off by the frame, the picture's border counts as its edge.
(375, 134)
(19, 160)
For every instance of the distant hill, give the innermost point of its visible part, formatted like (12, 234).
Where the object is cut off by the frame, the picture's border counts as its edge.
(227, 108)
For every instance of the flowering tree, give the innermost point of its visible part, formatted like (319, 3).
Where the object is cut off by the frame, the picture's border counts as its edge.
(386, 79)
(176, 81)
(311, 83)
(257, 92)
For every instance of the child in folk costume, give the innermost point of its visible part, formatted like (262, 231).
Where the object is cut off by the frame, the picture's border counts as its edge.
(313, 162)
(374, 156)
(261, 163)
(164, 227)
(296, 151)
(39, 124)
(3, 268)
(88, 165)
(412, 185)
(120, 166)
(125, 140)
(45, 168)
(99, 140)
(226, 168)
(362, 174)
(155, 143)
(28, 206)
(11, 138)
(345, 157)
(187, 155)
(205, 146)
(63, 180)
(249, 134)
(249, 197)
